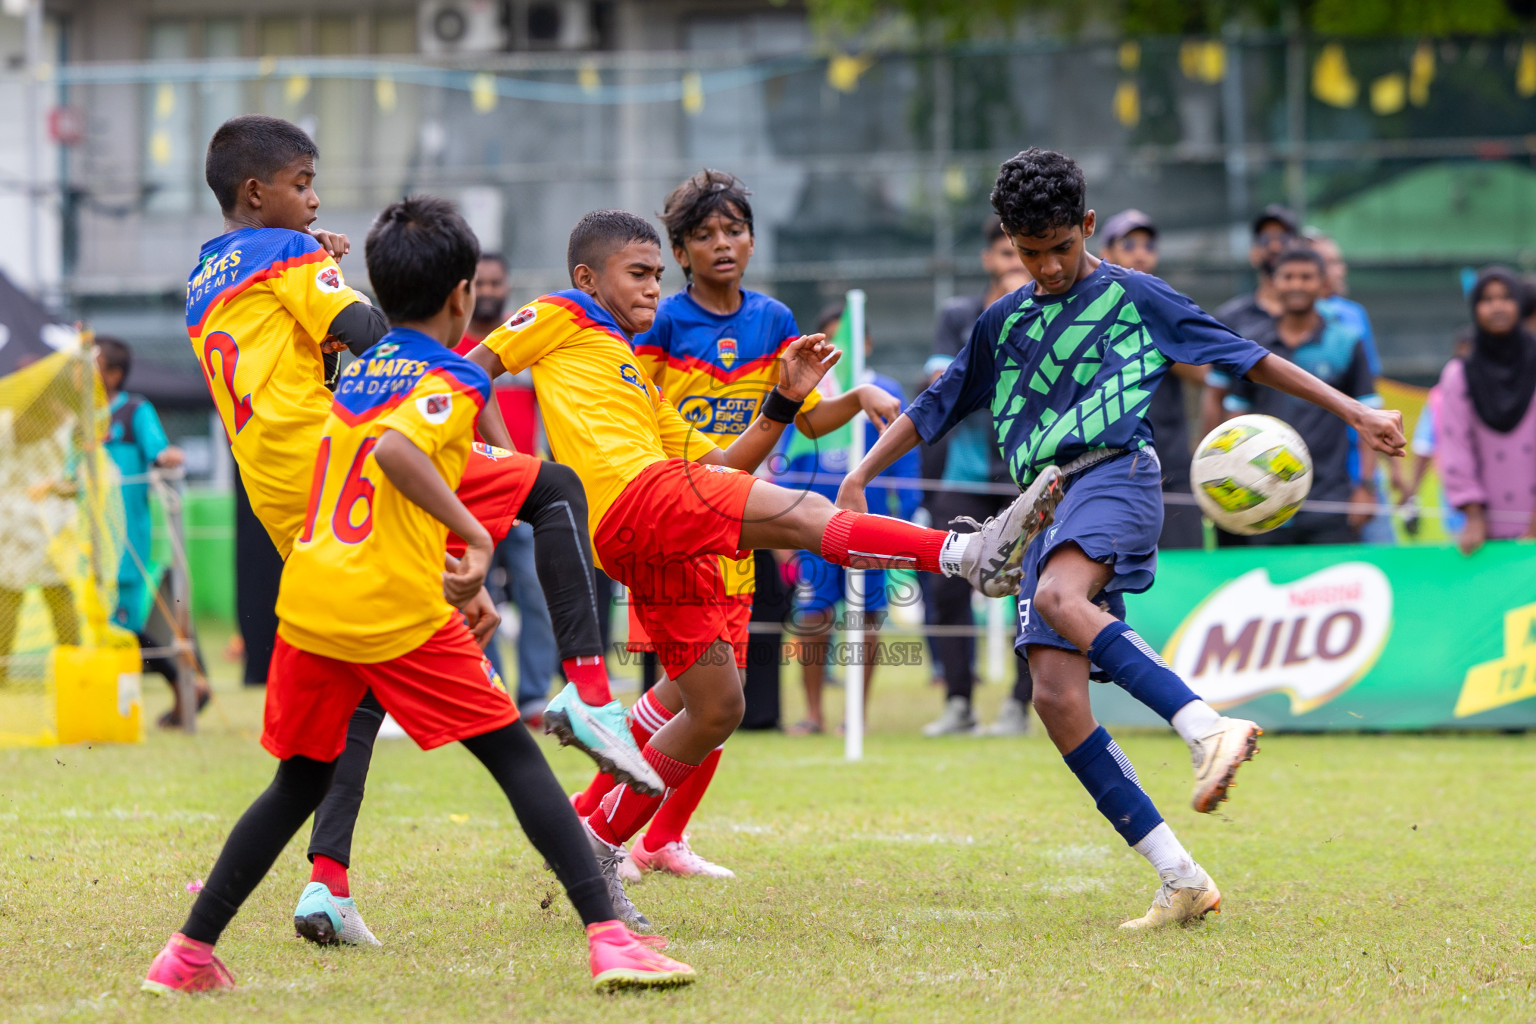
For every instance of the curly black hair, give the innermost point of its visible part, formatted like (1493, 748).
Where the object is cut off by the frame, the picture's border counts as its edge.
(1038, 191)
(700, 197)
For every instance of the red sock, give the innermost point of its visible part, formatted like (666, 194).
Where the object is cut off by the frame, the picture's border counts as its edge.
(646, 716)
(624, 812)
(590, 677)
(677, 809)
(864, 541)
(330, 873)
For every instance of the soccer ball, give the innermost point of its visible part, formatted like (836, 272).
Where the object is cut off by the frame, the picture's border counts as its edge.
(1251, 474)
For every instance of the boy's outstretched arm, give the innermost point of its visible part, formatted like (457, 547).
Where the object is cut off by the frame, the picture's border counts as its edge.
(1382, 429)
(878, 404)
(900, 438)
(410, 470)
(804, 362)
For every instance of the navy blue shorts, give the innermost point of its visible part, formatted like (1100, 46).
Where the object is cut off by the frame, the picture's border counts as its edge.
(1113, 511)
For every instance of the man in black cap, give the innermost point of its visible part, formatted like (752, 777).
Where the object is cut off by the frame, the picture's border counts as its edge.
(1130, 240)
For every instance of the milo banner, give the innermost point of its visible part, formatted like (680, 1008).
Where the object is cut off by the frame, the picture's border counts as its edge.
(1346, 638)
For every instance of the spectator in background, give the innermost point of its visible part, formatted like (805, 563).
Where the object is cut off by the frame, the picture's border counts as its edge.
(821, 586)
(1337, 303)
(1130, 240)
(1486, 443)
(136, 442)
(1332, 351)
(1250, 314)
(972, 458)
(513, 576)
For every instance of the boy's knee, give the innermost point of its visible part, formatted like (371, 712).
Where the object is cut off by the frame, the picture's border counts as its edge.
(563, 481)
(1052, 602)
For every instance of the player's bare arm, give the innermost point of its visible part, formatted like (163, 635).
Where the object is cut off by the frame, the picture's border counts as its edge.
(900, 438)
(1382, 429)
(802, 365)
(410, 470)
(493, 429)
(878, 404)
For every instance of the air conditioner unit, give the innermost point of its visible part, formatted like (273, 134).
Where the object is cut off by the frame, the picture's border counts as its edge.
(446, 27)
(554, 25)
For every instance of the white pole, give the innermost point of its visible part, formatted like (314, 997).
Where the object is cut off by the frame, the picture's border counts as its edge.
(33, 28)
(997, 640)
(853, 719)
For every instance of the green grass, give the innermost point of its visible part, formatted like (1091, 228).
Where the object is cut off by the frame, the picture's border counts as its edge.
(1365, 878)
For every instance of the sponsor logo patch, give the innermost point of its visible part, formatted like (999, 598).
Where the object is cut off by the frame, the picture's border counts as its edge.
(727, 350)
(522, 318)
(328, 279)
(490, 451)
(435, 408)
(630, 375)
(386, 350)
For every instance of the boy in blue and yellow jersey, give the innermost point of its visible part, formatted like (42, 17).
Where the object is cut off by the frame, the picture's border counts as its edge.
(365, 605)
(667, 503)
(714, 352)
(265, 306)
(1068, 365)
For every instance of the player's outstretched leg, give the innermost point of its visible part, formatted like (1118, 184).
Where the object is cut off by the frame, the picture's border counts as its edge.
(326, 914)
(617, 959)
(187, 963)
(1218, 745)
(584, 714)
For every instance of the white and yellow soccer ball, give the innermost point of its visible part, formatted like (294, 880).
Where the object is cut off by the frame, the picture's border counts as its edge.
(1251, 474)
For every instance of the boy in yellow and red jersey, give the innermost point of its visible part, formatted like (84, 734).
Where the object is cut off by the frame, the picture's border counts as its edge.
(714, 352)
(666, 503)
(265, 304)
(366, 606)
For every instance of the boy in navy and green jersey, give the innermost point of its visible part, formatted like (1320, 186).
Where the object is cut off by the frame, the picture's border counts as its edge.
(1068, 366)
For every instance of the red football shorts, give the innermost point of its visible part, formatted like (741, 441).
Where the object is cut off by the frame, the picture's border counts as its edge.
(444, 690)
(496, 482)
(738, 620)
(663, 539)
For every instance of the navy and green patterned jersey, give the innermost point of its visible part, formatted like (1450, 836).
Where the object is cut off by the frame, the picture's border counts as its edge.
(1065, 374)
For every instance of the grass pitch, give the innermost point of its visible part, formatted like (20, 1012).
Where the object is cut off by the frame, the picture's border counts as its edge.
(1365, 878)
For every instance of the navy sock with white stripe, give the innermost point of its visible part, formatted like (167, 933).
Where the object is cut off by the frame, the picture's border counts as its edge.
(1135, 667)
(1106, 773)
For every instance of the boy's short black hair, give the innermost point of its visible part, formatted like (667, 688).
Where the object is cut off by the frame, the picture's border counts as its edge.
(601, 233)
(252, 146)
(992, 230)
(418, 251)
(115, 354)
(1039, 191)
(702, 196)
(1300, 254)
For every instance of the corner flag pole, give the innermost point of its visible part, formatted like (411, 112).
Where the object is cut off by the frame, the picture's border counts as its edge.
(853, 680)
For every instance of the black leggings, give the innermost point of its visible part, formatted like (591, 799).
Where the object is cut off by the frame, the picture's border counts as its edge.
(556, 506)
(514, 761)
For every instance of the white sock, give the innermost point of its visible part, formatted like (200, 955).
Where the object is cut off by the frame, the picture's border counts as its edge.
(1165, 853)
(950, 553)
(1194, 720)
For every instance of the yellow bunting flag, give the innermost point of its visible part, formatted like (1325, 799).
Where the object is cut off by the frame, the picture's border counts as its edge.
(296, 88)
(844, 72)
(1388, 94)
(1203, 60)
(1130, 55)
(1525, 71)
(1421, 72)
(482, 92)
(1127, 104)
(588, 78)
(693, 93)
(384, 94)
(1331, 81)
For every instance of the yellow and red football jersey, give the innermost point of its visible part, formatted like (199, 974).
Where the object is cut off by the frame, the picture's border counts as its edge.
(603, 415)
(716, 369)
(258, 306)
(364, 583)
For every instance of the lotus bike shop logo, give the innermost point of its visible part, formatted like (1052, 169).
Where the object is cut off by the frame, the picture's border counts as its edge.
(1312, 638)
(630, 375)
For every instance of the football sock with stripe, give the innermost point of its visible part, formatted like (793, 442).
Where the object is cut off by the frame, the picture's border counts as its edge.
(1106, 773)
(645, 716)
(677, 809)
(1135, 667)
(624, 812)
(865, 541)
